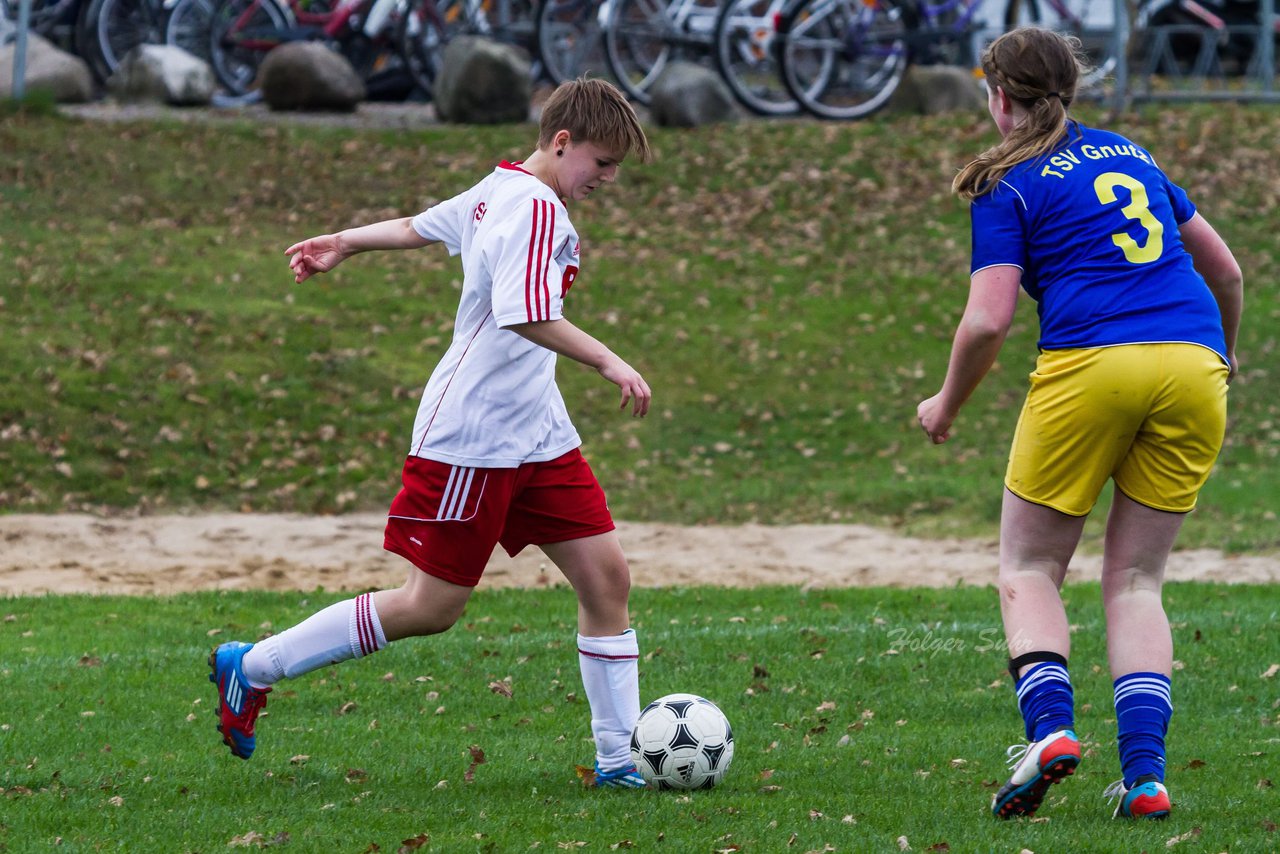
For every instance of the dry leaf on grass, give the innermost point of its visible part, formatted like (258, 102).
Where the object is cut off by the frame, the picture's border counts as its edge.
(477, 759)
(413, 843)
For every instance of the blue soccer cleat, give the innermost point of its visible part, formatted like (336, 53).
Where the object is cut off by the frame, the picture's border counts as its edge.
(1147, 799)
(624, 778)
(1036, 767)
(238, 701)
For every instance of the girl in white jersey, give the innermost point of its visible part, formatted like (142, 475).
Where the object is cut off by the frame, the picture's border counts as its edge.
(494, 457)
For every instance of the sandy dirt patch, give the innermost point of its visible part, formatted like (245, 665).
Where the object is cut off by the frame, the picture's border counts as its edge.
(172, 554)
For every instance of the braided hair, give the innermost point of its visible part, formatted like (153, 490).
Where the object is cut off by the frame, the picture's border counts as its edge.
(1039, 70)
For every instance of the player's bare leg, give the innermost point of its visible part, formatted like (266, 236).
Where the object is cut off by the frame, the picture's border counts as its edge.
(353, 628)
(425, 605)
(601, 578)
(1139, 649)
(1036, 545)
(607, 649)
(1137, 545)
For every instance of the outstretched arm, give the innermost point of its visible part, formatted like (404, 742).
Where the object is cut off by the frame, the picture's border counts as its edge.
(1214, 261)
(561, 336)
(322, 253)
(993, 296)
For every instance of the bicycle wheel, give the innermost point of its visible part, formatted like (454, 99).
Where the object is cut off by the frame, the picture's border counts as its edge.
(843, 59)
(507, 21)
(109, 29)
(240, 34)
(570, 40)
(422, 33)
(1091, 21)
(46, 15)
(638, 43)
(746, 39)
(189, 25)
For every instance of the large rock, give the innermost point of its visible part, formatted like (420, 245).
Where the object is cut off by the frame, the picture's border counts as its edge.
(931, 89)
(309, 76)
(64, 76)
(163, 74)
(687, 95)
(483, 82)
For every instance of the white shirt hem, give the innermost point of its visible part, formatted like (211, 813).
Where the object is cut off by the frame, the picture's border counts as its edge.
(498, 462)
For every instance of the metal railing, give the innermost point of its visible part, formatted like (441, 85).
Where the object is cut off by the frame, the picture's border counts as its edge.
(1185, 62)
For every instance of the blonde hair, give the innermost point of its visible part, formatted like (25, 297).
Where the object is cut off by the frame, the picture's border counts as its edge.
(593, 110)
(1039, 70)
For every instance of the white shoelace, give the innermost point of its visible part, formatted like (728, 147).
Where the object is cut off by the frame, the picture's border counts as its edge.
(1115, 791)
(1016, 752)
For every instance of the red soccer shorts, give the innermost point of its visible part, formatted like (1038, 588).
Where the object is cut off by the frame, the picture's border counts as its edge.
(446, 519)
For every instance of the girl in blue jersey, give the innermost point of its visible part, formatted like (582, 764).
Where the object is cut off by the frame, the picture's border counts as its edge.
(1139, 302)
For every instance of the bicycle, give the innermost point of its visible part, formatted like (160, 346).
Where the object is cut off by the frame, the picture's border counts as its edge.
(188, 27)
(745, 38)
(108, 29)
(843, 59)
(569, 36)
(642, 36)
(242, 32)
(428, 25)
(54, 20)
(1091, 21)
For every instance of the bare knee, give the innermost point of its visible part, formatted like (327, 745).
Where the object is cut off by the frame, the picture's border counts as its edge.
(1017, 577)
(602, 600)
(435, 624)
(1121, 581)
(419, 608)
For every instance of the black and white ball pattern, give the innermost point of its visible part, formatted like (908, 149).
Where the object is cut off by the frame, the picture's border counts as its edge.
(682, 741)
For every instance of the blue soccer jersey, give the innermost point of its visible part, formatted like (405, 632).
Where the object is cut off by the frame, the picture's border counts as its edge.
(1094, 228)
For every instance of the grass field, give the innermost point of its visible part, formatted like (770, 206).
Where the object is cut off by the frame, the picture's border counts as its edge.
(860, 716)
(789, 289)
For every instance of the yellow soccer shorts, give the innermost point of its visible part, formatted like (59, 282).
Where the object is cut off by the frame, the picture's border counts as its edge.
(1151, 416)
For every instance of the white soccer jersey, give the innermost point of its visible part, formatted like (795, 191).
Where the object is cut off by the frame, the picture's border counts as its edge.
(492, 402)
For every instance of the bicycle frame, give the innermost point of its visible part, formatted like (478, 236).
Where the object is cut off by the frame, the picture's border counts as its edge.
(1064, 12)
(764, 31)
(330, 23)
(932, 12)
(686, 23)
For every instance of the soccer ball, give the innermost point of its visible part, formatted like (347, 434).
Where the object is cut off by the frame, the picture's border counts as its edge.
(682, 741)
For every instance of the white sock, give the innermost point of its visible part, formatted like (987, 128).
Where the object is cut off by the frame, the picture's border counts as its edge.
(349, 629)
(611, 676)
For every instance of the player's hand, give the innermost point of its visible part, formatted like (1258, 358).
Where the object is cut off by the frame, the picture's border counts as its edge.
(634, 389)
(314, 255)
(935, 419)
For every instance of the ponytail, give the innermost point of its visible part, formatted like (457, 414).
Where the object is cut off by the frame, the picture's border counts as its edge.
(1038, 69)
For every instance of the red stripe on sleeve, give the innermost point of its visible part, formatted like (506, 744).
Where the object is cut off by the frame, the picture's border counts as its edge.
(538, 272)
(528, 268)
(545, 295)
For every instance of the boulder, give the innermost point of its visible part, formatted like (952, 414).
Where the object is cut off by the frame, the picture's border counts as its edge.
(931, 89)
(483, 82)
(65, 76)
(687, 95)
(309, 76)
(163, 74)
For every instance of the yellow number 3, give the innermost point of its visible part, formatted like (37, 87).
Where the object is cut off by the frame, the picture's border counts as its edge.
(1138, 209)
